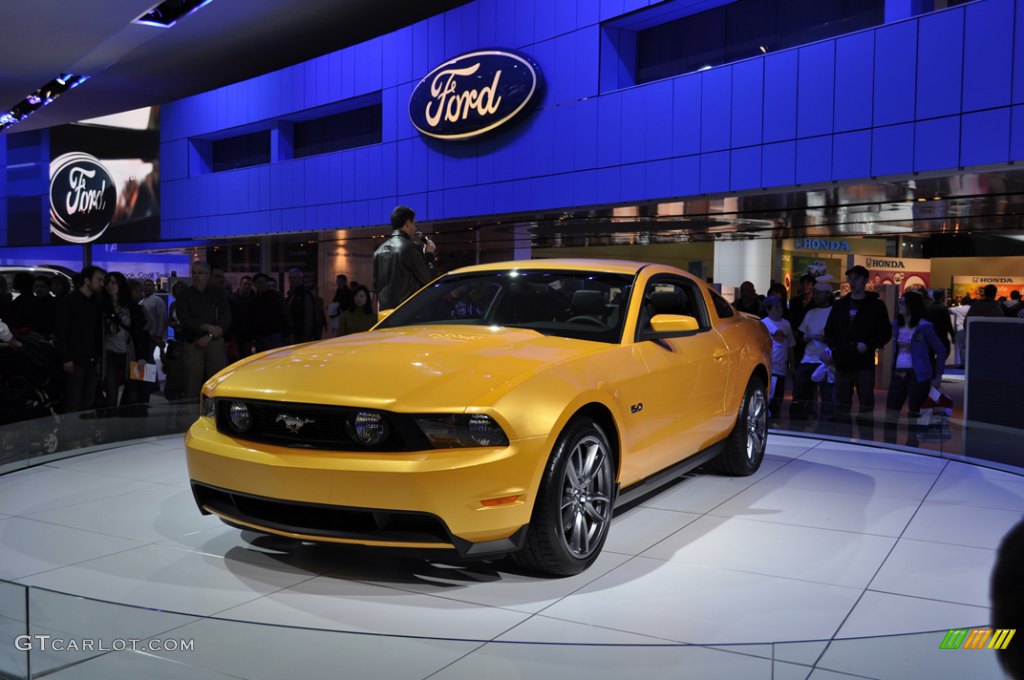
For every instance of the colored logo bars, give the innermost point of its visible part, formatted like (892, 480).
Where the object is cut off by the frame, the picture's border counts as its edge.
(978, 638)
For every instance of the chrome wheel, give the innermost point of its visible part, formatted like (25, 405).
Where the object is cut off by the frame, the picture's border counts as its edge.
(757, 423)
(50, 442)
(586, 497)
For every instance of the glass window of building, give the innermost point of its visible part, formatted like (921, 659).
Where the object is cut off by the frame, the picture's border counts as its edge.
(746, 28)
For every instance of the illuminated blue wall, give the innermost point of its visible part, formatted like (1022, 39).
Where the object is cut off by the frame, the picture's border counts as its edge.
(933, 93)
(3, 189)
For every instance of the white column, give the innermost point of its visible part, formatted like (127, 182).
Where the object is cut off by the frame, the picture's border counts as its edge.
(747, 260)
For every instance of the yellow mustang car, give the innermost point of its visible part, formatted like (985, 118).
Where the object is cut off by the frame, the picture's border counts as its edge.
(504, 408)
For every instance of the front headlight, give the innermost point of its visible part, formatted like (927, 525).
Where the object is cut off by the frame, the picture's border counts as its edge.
(369, 428)
(239, 416)
(462, 430)
(207, 407)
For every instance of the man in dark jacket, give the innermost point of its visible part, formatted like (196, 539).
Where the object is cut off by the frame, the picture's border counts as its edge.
(204, 315)
(938, 314)
(80, 340)
(268, 316)
(301, 304)
(987, 306)
(857, 327)
(399, 266)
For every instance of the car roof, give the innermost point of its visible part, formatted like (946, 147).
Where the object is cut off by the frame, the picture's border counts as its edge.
(573, 264)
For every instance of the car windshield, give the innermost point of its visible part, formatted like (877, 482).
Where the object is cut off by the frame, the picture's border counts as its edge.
(570, 304)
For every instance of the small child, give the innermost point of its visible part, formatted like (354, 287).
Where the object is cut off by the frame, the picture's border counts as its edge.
(783, 342)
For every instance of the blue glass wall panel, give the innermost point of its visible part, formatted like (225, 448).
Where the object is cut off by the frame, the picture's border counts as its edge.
(1016, 135)
(716, 100)
(588, 13)
(657, 120)
(747, 101)
(937, 144)
(714, 172)
(609, 129)
(634, 114)
(985, 137)
(634, 182)
(892, 150)
(778, 164)
(686, 115)
(686, 176)
(780, 78)
(988, 54)
(851, 155)
(814, 159)
(659, 179)
(745, 169)
(586, 81)
(524, 26)
(854, 81)
(895, 66)
(815, 86)
(939, 63)
(1018, 55)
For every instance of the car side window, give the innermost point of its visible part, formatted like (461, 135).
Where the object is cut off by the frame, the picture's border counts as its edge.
(723, 308)
(672, 296)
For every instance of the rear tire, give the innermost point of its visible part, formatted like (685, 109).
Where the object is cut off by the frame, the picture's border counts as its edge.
(744, 448)
(574, 503)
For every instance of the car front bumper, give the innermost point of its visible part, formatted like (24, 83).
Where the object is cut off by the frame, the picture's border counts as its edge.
(476, 501)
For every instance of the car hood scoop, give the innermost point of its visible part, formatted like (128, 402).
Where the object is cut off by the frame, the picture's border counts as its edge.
(404, 369)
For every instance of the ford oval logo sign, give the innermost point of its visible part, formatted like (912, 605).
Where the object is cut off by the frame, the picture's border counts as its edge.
(474, 94)
(82, 197)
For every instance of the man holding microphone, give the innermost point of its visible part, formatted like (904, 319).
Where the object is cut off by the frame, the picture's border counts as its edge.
(401, 265)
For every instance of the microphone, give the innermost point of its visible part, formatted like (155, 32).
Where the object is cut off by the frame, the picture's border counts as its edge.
(425, 240)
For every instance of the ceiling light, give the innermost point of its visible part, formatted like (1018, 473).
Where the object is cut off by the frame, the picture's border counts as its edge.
(169, 12)
(40, 98)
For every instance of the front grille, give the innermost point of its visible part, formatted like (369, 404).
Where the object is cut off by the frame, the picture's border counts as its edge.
(328, 521)
(324, 427)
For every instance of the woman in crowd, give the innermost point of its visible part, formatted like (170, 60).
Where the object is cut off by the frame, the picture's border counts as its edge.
(124, 338)
(360, 317)
(813, 374)
(916, 367)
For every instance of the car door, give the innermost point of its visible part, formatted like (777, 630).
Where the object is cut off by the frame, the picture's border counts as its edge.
(687, 373)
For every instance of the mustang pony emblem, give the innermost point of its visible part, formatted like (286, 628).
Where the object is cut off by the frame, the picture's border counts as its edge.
(294, 423)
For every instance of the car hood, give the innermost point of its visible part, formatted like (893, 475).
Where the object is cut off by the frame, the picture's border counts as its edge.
(409, 369)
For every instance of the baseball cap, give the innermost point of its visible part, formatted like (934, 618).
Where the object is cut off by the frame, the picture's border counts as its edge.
(858, 270)
(821, 285)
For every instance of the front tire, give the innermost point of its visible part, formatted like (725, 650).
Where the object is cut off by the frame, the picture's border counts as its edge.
(744, 449)
(574, 503)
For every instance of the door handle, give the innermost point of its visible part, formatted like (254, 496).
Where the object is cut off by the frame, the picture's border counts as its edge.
(719, 354)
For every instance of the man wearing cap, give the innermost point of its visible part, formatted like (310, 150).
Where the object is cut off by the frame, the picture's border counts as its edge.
(857, 327)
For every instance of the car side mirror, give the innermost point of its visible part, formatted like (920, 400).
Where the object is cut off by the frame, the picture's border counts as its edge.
(383, 314)
(671, 324)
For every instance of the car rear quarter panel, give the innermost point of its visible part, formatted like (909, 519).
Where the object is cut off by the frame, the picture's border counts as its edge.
(749, 353)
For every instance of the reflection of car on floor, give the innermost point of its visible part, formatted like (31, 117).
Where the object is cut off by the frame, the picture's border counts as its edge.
(505, 408)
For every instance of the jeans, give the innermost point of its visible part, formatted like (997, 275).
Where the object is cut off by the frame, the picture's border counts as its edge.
(806, 393)
(903, 388)
(863, 380)
(201, 363)
(114, 374)
(777, 390)
(80, 388)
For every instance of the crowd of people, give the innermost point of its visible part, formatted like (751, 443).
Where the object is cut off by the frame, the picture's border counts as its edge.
(827, 346)
(90, 345)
